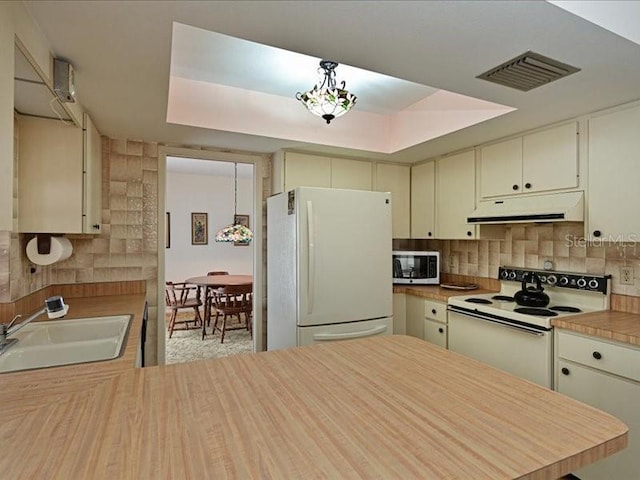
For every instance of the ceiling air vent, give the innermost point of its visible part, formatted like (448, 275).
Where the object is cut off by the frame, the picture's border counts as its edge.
(528, 71)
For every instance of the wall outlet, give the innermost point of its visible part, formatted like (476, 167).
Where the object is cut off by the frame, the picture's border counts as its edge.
(626, 276)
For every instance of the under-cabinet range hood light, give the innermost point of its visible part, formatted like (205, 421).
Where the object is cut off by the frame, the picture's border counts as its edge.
(556, 207)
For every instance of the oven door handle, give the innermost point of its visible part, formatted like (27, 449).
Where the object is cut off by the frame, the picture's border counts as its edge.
(499, 321)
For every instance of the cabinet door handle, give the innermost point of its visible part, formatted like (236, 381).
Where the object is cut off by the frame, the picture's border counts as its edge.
(469, 233)
(565, 371)
(96, 227)
(597, 355)
(429, 234)
(441, 330)
(597, 233)
(527, 185)
(433, 311)
(515, 187)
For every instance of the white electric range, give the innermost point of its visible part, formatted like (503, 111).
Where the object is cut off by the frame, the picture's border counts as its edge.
(494, 329)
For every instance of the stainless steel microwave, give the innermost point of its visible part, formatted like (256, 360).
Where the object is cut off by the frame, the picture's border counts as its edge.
(422, 268)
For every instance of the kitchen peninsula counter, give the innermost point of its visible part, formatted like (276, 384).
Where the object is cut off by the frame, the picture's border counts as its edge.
(382, 407)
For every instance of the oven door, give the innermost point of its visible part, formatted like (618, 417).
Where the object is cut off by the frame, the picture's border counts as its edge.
(522, 350)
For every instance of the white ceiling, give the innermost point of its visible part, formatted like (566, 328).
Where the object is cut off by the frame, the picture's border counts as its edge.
(121, 52)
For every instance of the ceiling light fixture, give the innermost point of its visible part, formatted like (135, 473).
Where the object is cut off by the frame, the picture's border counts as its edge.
(325, 99)
(235, 232)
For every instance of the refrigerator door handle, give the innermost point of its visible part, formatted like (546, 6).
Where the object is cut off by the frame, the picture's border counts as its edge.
(320, 337)
(311, 267)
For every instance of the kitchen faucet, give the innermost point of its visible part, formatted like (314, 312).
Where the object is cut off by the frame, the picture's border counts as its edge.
(54, 307)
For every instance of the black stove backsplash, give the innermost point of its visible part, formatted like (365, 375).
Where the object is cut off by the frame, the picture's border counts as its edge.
(577, 281)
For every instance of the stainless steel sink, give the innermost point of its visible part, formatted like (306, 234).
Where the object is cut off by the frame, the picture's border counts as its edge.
(66, 342)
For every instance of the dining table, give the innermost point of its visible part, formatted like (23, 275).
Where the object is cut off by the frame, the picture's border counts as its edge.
(208, 283)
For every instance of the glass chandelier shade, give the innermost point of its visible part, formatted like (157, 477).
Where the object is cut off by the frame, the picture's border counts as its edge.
(235, 232)
(325, 99)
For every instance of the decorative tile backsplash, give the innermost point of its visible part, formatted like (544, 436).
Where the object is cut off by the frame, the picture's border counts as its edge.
(529, 246)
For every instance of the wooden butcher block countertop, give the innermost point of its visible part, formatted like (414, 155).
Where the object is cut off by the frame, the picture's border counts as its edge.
(611, 325)
(383, 407)
(436, 292)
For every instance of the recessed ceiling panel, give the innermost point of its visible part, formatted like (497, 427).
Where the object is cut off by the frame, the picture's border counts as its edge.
(229, 84)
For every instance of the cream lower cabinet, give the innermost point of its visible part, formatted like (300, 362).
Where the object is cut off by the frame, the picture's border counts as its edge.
(605, 375)
(423, 200)
(396, 179)
(427, 319)
(399, 313)
(435, 323)
(455, 196)
(415, 316)
(614, 170)
(59, 176)
(537, 162)
(292, 169)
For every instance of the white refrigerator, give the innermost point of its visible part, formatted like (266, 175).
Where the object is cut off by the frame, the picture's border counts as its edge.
(329, 266)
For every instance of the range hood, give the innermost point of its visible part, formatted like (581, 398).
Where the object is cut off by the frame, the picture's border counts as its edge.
(552, 207)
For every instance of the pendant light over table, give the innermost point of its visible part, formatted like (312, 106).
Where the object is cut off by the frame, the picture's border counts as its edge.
(235, 232)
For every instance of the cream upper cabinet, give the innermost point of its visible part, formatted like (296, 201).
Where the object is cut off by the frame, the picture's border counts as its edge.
(396, 179)
(423, 200)
(614, 169)
(305, 170)
(538, 162)
(92, 177)
(351, 174)
(292, 169)
(455, 196)
(501, 168)
(59, 177)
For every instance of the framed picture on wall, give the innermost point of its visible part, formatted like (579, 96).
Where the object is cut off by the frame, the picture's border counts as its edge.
(167, 231)
(244, 221)
(199, 229)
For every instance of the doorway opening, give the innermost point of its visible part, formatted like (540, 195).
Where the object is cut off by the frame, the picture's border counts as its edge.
(202, 196)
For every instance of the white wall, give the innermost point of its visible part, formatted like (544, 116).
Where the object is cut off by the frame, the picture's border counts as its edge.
(213, 195)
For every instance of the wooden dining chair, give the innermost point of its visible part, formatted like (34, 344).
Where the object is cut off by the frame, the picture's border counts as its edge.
(178, 297)
(232, 301)
(209, 295)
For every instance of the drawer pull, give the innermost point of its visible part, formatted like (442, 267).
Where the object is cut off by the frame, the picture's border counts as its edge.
(565, 371)
(433, 311)
(597, 355)
(441, 330)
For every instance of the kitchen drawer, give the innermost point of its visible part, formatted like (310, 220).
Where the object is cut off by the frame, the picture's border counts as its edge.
(614, 358)
(435, 311)
(435, 332)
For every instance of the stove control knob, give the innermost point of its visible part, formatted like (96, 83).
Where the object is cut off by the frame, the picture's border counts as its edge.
(505, 274)
(593, 283)
(552, 279)
(512, 275)
(543, 279)
(564, 281)
(582, 282)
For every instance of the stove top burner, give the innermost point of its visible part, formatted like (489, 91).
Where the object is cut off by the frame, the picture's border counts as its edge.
(503, 298)
(539, 312)
(478, 300)
(562, 308)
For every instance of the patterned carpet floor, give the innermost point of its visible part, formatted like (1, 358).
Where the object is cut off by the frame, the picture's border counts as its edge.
(187, 346)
